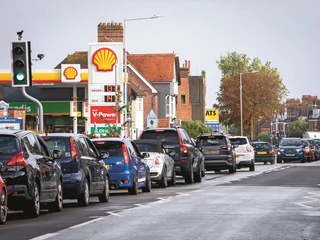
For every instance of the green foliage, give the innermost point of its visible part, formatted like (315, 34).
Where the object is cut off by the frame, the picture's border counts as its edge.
(194, 128)
(262, 90)
(298, 128)
(263, 137)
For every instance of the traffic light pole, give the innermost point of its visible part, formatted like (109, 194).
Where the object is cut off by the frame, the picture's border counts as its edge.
(23, 90)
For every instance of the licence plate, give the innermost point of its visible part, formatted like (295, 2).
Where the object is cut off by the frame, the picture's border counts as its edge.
(107, 166)
(238, 156)
(261, 152)
(290, 155)
(212, 151)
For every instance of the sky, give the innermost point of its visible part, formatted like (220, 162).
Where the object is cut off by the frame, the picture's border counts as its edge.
(284, 32)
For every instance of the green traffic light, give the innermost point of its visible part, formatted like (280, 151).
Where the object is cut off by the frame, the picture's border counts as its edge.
(20, 76)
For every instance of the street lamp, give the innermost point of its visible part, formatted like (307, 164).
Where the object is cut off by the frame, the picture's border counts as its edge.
(125, 62)
(241, 121)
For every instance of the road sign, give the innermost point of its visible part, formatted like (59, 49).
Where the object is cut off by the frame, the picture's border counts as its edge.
(211, 115)
(215, 126)
(271, 136)
(152, 119)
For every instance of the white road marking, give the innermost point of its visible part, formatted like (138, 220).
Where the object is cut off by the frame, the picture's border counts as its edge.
(86, 223)
(182, 194)
(141, 205)
(114, 214)
(45, 236)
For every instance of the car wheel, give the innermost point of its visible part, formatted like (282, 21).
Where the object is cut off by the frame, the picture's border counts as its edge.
(272, 162)
(173, 181)
(198, 176)
(135, 188)
(232, 169)
(147, 188)
(32, 208)
(164, 179)
(189, 176)
(104, 196)
(57, 205)
(83, 198)
(3, 207)
(252, 167)
(217, 171)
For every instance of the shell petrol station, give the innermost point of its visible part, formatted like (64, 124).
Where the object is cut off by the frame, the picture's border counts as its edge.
(97, 85)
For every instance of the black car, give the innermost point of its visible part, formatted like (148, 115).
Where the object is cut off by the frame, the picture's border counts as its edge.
(218, 152)
(84, 171)
(263, 152)
(188, 160)
(31, 172)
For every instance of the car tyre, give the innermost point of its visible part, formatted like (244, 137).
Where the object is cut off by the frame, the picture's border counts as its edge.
(173, 181)
(252, 167)
(57, 205)
(135, 188)
(232, 169)
(147, 188)
(188, 178)
(83, 198)
(198, 175)
(3, 207)
(32, 208)
(104, 196)
(164, 179)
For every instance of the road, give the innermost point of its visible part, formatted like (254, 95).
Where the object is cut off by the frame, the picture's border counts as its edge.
(280, 201)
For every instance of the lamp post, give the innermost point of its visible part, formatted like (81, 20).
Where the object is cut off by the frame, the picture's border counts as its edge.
(241, 119)
(125, 92)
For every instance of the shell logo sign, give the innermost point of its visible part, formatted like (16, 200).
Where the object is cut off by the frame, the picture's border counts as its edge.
(104, 59)
(70, 73)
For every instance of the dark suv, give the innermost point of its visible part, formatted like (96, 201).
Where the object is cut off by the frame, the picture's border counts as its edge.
(218, 152)
(176, 141)
(84, 171)
(32, 174)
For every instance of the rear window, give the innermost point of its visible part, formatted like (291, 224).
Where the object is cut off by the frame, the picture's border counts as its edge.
(58, 143)
(9, 145)
(166, 137)
(147, 147)
(113, 148)
(263, 145)
(239, 141)
(212, 140)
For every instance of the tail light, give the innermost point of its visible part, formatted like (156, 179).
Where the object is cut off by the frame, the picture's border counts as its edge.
(18, 160)
(228, 147)
(74, 154)
(184, 148)
(271, 152)
(157, 161)
(125, 154)
(249, 149)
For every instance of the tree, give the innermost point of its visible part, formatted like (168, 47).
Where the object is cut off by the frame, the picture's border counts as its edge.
(262, 92)
(298, 128)
(194, 128)
(263, 137)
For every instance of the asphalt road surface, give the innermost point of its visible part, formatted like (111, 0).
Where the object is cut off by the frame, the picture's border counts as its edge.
(280, 201)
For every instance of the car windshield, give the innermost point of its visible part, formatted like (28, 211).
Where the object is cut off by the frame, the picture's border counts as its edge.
(212, 140)
(291, 142)
(8, 145)
(239, 141)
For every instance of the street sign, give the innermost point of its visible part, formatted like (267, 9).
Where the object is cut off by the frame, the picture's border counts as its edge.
(211, 115)
(152, 119)
(214, 126)
(271, 136)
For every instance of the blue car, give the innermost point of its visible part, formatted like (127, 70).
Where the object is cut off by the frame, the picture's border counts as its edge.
(125, 165)
(291, 149)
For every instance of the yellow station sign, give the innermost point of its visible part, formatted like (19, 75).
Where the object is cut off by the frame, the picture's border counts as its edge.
(211, 115)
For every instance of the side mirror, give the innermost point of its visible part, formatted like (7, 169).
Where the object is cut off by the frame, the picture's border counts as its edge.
(277, 145)
(1, 167)
(56, 154)
(235, 145)
(104, 155)
(172, 153)
(145, 155)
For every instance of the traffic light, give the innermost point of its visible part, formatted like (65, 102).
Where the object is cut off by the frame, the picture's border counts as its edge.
(21, 64)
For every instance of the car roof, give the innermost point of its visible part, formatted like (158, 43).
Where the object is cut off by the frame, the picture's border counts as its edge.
(109, 139)
(236, 136)
(14, 132)
(65, 135)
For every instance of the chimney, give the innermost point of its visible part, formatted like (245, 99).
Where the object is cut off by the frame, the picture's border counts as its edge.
(110, 32)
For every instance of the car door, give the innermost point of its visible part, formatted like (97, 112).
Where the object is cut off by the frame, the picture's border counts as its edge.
(140, 166)
(88, 161)
(99, 165)
(44, 165)
(192, 148)
(169, 162)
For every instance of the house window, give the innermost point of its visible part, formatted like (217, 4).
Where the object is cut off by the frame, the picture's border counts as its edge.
(139, 104)
(168, 113)
(183, 99)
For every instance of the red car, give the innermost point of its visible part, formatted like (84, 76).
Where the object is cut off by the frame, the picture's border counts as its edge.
(3, 199)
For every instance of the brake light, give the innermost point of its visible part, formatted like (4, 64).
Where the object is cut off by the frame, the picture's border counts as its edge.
(184, 148)
(125, 154)
(249, 148)
(18, 160)
(157, 161)
(271, 152)
(74, 154)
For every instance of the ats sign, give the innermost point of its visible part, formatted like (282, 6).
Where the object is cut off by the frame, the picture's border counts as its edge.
(103, 115)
